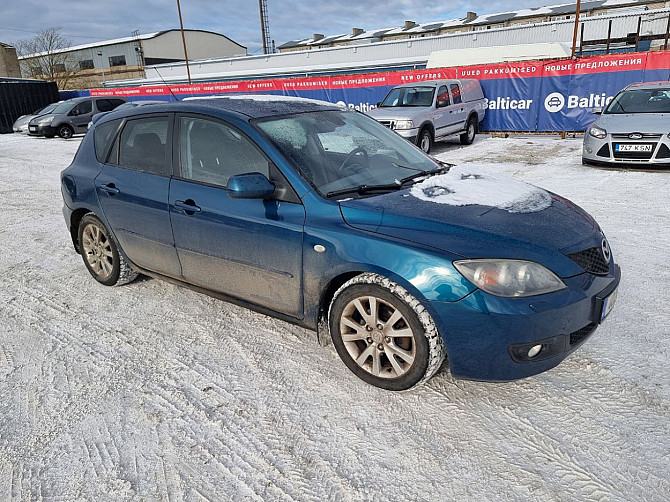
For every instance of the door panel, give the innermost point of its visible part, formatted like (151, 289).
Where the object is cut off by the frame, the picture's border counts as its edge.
(247, 248)
(136, 206)
(134, 194)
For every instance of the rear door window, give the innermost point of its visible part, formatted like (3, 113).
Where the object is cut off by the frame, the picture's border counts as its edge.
(142, 145)
(456, 93)
(104, 105)
(443, 95)
(103, 136)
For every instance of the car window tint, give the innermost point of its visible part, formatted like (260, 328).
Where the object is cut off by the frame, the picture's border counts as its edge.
(82, 108)
(116, 102)
(443, 95)
(104, 105)
(142, 145)
(103, 135)
(456, 93)
(212, 152)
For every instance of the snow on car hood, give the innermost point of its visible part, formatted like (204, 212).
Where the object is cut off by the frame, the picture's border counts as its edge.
(476, 213)
(635, 122)
(473, 184)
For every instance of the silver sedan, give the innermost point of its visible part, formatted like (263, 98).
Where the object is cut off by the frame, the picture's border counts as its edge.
(633, 129)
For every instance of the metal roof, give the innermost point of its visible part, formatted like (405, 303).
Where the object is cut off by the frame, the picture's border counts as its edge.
(432, 26)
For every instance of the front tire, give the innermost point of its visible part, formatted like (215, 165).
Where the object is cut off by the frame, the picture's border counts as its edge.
(383, 334)
(101, 253)
(425, 140)
(470, 132)
(65, 131)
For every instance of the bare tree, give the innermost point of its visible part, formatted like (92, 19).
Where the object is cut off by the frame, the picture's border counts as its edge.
(44, 57)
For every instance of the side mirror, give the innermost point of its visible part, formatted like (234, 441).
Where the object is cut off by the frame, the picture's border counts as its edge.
(441, 103)
(250, 186)
(74, 113)
(598, 110)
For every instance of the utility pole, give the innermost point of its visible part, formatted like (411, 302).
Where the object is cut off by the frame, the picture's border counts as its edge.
(574, 37)
(183, 39)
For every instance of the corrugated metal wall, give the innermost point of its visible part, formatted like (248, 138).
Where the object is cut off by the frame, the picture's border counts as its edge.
(21, 98)
(411, 51)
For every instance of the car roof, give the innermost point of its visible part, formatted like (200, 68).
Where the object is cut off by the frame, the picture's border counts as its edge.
(649, 85)
(430, 83)
(245, 105)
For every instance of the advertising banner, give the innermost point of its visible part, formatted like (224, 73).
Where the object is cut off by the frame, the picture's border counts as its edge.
(543, 96)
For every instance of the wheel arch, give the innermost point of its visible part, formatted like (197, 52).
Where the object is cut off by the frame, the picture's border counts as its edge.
(427, 124)
(75, 219)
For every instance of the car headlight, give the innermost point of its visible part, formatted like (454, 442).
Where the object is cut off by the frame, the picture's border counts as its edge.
(509, 278)
(597, 132)
(44, 121)
(404, 124)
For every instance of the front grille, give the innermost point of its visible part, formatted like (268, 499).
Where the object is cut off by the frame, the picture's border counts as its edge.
(604, 151)
(644, 136)
(663, 152)
(591, 260)
(635, 155)
(388, 123)
(581, 334)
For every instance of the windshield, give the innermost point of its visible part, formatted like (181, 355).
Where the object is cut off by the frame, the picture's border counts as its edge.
(47, 109)
(641, 101)
(336, 150)
(64, 107)
(410, 96)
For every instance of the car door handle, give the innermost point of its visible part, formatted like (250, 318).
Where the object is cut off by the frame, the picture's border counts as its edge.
(109, 189)
(187, 206)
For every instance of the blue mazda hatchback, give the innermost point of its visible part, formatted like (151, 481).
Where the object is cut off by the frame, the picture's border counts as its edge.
(324, 218)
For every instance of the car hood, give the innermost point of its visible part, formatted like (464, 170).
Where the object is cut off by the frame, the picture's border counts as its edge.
(398, 112)
(635, 122)
(42, 117)
(482, 228)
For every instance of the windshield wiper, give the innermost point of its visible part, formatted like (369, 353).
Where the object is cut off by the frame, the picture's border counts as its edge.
(363, 189)
(427, 172)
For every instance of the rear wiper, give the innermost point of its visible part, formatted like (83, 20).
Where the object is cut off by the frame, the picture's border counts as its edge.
(363, 189)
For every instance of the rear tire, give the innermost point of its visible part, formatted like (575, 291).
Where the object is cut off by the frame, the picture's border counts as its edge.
(470, 132)
(425, 140)
(101, 253)
(383, 334)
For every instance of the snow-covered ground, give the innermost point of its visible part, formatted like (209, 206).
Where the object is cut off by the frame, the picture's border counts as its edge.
(154, 392)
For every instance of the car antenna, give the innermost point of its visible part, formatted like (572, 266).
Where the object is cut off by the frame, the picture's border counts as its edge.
(166, 85)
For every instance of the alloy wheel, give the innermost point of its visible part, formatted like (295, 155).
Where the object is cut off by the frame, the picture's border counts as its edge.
(378, 337)
(98, 250)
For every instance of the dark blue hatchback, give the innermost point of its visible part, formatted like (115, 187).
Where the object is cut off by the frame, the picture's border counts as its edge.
(325, 218)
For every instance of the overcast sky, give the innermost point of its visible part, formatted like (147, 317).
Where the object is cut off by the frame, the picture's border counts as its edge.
(87, 21)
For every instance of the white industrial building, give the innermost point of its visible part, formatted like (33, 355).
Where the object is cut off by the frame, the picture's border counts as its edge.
(124, 58)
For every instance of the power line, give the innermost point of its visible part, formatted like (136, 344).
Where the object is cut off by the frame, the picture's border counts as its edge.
(36, 32)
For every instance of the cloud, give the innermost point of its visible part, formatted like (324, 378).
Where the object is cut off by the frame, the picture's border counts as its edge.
(87, 21)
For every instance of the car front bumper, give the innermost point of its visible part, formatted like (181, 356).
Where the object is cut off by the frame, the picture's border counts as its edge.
(603, 151)
(41, 130)
(485, 335)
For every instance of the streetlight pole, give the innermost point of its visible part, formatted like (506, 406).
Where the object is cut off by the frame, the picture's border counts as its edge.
(183, 39)
(102, 65)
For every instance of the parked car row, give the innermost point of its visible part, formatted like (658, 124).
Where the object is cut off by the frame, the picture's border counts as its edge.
(73, 116)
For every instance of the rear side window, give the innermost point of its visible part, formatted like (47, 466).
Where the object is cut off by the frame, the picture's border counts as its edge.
(212, 152)
(456, 93)
(142, 145)
(103, 137)
(104, 105)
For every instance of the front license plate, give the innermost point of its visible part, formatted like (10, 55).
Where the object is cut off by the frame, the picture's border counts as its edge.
(619, 147)
(608, 304)
(33, 128)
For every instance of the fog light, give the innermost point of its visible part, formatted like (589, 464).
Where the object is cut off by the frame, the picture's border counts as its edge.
(534, 350)
(589, 150)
